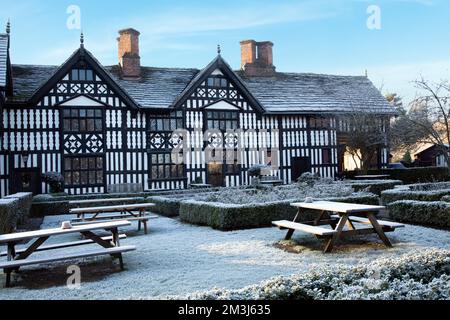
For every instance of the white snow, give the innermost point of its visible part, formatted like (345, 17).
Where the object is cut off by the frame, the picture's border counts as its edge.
(178, 259)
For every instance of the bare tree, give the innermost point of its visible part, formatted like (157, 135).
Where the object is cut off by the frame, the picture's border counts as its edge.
(427, 121)
(366, 135)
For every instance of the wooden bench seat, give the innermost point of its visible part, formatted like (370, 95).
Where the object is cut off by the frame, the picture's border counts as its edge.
(142, 220)
(382, 223)
(113, 217)
(63, 245)
(28, 262)
(304, 227)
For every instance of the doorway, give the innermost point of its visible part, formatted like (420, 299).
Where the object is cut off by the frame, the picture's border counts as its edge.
(215, 174)
(26, 180)
(300, 165)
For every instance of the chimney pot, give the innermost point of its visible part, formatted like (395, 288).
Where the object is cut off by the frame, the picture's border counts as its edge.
(129, 59)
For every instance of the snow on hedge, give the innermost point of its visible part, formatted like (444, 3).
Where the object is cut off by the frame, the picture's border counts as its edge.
(414, 276)
(322, 189)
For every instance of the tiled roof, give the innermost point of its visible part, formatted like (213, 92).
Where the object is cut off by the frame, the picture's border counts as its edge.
(158, 87)
(3, 59)
(283, 93)
(304, 93)
(28, 78)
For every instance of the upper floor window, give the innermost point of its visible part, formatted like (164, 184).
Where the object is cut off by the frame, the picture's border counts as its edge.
(82, 75)
(170, 122)
(222, 120)
(83, 120)
(217, 82)
(319, 123)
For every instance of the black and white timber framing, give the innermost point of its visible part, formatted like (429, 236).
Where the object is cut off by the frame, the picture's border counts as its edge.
(85, 121)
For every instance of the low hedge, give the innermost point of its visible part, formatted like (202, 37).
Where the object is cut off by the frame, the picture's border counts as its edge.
(228, 217)
(421, 275)
(432, 214)
(408, 176)
(9, 215)
(374, 186)
(168, 207)
(419, 192)
(25, 200)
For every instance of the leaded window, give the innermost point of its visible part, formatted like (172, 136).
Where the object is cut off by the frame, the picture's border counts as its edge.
(164, 169)
(83, 171)
(83, 120)
(319, 123)
(170, 122)
(82, 75)
(222, 120)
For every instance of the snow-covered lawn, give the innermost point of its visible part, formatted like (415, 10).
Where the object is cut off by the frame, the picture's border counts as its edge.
(178, 259)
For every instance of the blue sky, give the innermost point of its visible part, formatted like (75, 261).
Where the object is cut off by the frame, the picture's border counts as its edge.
(310, 36)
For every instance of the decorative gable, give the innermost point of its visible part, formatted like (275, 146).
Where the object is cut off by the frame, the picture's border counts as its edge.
(81, 75)
(218, 82)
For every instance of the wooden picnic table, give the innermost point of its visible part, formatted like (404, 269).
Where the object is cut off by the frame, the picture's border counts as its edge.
(19, 258)
(94, 201)
(126, 212)
(339, 215)
(373, 177)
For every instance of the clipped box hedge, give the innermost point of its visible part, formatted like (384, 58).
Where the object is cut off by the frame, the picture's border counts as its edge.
(168, 207)
(228, 217)
(432, 214)
(25, 200)
(408, 176)
(9, 215)
(419, 192)
(374, 186)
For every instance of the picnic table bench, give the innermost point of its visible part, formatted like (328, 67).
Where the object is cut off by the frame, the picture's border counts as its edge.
(126, 212)
(20, 258)
(338, 215)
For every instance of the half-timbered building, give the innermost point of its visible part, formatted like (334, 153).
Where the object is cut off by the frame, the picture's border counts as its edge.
(106, 125)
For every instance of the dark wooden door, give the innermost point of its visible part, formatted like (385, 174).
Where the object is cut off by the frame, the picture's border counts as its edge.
(300, 165)
(26, 180)
(215, 175)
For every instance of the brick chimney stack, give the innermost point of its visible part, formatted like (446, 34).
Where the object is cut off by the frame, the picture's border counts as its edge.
(257, 58)
(129, 59)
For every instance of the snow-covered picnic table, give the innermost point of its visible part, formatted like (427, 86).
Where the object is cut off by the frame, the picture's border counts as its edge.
(94, 201)
(338, 215)
(129, 212)
(17, 258)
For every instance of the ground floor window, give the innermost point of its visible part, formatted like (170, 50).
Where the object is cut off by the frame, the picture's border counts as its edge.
(164, 169)
(83, 171)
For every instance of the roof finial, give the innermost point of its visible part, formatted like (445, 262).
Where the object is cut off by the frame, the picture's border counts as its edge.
(8, 27)
(219, 50)
(82, 39)
(366, 73)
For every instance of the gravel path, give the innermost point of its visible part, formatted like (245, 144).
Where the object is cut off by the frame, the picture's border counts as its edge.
(177, 259)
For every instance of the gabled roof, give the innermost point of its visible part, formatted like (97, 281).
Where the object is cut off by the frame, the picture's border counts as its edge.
(56, 74)
(224, 67)
(3, 60)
